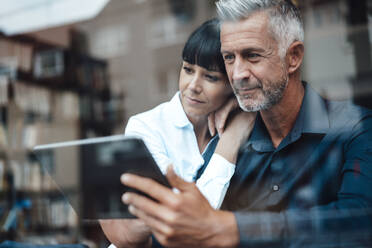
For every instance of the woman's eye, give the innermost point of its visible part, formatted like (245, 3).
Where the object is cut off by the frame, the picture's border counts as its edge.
(212, 78)
(187, 69)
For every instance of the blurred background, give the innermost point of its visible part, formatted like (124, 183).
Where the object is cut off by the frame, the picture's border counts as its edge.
(79, 69)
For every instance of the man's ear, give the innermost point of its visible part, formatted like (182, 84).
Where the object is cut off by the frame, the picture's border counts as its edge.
(295, 55)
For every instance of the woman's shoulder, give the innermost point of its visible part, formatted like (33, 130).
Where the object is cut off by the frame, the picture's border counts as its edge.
(151, 115)
(162, 113)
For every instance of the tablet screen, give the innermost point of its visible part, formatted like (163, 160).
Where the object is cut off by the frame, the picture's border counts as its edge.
(88, 172)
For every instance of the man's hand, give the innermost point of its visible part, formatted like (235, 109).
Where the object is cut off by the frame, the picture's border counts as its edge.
(182, 219)
(130, 233)
(217, 119)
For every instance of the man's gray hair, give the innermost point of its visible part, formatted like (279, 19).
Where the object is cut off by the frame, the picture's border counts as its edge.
(285, 22)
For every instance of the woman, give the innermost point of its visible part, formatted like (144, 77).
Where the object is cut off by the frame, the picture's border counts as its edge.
(176, 132)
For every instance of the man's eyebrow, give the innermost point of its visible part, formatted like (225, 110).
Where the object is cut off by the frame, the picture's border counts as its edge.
(225, 51)
(246, 50)
(252, 49)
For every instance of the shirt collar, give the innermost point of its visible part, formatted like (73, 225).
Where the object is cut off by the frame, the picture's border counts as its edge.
(176, 112)
(314, 112)
(260, 139)
(312, 118)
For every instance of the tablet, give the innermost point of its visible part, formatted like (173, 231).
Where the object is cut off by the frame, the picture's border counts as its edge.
(88, 171)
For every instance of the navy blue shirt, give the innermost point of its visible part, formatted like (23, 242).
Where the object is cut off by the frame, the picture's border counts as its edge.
(315, 188)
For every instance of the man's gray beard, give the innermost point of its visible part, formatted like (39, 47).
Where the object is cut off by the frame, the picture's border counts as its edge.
(271, 97)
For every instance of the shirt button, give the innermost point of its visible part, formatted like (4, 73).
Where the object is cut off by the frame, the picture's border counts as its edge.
(275, 187)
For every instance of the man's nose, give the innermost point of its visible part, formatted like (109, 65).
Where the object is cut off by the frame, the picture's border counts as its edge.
(241, 70)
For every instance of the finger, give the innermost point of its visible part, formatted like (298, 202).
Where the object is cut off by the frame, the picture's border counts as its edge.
(176, 181)
(150, 187)
(235, 103)
(149, 207)
(164, 240)
(152, 222)
(211, 123)
(221, 120)
(223, 114)
(159, 237)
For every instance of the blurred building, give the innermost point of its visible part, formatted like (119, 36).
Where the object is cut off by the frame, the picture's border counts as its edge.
(142, 42)
(338, 47)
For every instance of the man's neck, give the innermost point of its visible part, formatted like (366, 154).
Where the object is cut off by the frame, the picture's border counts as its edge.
(280, 118)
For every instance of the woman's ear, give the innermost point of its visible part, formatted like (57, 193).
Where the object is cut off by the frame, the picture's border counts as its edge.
(295, 55)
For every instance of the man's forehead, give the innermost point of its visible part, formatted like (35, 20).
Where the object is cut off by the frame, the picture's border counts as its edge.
(255, 22)
(252, 29)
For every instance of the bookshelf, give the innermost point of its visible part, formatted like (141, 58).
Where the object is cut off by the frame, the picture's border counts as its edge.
(48, 94)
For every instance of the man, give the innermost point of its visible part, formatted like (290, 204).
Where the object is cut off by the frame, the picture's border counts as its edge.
(303, 178)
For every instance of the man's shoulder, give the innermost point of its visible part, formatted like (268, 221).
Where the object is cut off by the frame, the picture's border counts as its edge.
(346, 115)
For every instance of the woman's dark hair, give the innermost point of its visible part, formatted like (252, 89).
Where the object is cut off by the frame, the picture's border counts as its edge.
(204, 47)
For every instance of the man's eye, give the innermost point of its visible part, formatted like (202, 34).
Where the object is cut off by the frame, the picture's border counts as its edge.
(253, 55)
(228, 57)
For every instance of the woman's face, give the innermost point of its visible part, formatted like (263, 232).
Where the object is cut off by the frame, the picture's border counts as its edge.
(202, 91)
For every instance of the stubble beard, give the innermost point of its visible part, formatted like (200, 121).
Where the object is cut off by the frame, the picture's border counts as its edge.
(269, 96)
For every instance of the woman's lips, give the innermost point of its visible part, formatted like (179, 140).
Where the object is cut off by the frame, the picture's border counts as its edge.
(193, 100)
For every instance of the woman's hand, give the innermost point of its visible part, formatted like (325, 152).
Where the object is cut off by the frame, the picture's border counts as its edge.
(237, 131)
(217, 119)
(131, 233)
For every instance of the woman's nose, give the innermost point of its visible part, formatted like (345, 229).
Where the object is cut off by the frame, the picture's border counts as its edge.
(195, 84)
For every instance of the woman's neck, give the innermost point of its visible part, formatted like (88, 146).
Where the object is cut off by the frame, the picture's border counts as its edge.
(201, 131)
